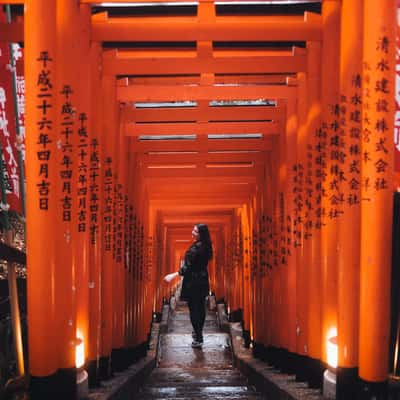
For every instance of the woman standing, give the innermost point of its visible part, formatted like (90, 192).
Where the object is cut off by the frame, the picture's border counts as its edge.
(195, 286)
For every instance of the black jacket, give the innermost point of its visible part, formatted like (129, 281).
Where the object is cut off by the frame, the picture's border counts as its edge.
(194, 272)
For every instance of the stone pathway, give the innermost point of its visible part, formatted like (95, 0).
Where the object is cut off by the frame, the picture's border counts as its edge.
(186, 373)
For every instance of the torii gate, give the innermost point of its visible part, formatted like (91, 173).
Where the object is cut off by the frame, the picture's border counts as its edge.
(317, 178)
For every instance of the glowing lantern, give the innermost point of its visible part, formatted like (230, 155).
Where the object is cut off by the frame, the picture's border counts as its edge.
(79, 350)
(332, 351)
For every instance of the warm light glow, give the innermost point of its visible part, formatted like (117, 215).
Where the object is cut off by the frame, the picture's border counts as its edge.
(332, 348)
(79, 350)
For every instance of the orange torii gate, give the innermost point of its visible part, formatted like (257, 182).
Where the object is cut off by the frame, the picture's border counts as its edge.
(303, 208)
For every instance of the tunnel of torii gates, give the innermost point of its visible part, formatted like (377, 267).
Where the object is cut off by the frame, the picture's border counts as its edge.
(285, 152)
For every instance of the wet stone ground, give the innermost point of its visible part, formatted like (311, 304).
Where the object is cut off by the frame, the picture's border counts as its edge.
(186, 373)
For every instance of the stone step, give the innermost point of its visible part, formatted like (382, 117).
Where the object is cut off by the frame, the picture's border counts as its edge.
(211, 340)
(184, 373)
(183, 326)
(200, 397)
(204, 377)
(191, 389)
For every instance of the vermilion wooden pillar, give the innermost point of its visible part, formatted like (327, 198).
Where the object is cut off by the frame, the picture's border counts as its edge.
(215, 280)
(268, 328)
(118, 234)
(250, 216)
(329, 153)
(267, 334)
(149, 274)
(255, 267)
(258, 268)
(136, 272)
(96, 217)
(157, 253)
(68, 246)
(282, 167)
(164, 257)
(291, 158)
(278, 268)
(142, 280)
(227, 262)
(40, 49)
(235, 302)
(142, 199)
(139, 274)
(349, 222)
(232, 241)
(302, 257)
(130, 281)
(313, 199)
(129, 231)
(255, 264)
(129, 276)
(228, 240)
(236, 292)
(125, 249)
(138, 282)
(108, 172)
(84, 134)
(212, 264)
(244, 221)
(376, 192)
(155, 278)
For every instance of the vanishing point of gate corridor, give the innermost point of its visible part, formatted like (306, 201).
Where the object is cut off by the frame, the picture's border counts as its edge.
(124, 124)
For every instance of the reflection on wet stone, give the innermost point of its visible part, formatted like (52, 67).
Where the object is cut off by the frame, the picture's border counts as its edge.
(186, 373)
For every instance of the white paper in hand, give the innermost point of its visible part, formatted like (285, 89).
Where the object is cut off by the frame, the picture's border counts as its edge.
(168, 278)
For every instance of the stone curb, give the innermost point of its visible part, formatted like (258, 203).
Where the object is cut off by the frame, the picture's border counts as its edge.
(164, 319)
(126, 383)
(269, 381)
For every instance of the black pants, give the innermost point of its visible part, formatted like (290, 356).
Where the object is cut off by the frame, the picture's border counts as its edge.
(197, 308)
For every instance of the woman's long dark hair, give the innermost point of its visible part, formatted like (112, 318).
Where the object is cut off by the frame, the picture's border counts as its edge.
(204, 237)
